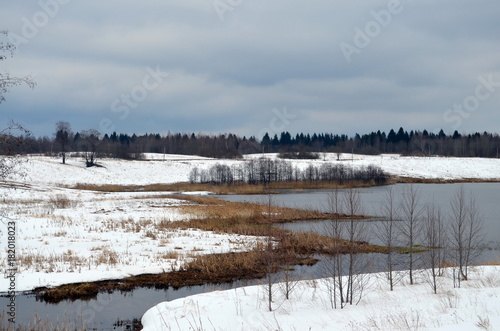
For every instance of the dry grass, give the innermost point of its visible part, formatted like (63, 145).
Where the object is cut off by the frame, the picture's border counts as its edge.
(61, 201)
(71, 323)
(67, 261)
(234, 188)
(206, 207)
(69, 292)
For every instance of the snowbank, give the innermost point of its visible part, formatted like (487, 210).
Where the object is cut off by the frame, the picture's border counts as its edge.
(474, 306)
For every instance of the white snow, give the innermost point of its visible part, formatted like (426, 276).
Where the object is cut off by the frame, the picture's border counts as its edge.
(101, 236)
(112, 235)
(159, 168)
(474, 306)
(65, 235)
(447, 168)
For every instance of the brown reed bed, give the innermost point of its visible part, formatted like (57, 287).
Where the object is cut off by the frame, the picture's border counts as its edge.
(233, 188)
(254, 213)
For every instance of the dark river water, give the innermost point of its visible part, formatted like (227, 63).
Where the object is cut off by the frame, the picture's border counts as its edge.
(103, 312)
(486, 195)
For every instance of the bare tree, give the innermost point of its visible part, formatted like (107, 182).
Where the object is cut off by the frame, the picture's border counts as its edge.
(387, 234)
(458, 229)
(410, 225)
(6, 80)
(466, 233)
(435, 241)
(356, 232)
(475, 236)
(289, 281)
(10, 161)
(63, 138)
(270, 259)
(335, 268)
(89, 143)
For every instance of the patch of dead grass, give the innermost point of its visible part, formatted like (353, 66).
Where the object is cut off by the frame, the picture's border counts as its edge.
(234, 188)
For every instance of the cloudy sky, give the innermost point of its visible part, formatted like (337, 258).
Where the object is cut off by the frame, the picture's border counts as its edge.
(247, 67)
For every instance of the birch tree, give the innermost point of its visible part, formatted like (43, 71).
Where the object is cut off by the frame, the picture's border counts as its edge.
(466, 233)
(387, 233)
(410, 225)
(435, 238)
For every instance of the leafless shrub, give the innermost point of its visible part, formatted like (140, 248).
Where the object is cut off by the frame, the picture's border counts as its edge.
(484, 323)
(406, 321)
(150, 234)
(61, 201)
(449, 300)
(107, 256)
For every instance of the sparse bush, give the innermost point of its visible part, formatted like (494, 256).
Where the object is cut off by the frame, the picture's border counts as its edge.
(61, 201)
(484, 323)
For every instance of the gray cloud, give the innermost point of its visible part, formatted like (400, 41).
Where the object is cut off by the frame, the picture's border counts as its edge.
(229, 75)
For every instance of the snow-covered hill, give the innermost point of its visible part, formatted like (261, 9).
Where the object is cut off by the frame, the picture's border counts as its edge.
(159, 168)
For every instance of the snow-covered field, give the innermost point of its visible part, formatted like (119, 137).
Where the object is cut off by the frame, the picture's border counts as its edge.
(447, 168)
(474, 306)
(66, 235)
(176, 168)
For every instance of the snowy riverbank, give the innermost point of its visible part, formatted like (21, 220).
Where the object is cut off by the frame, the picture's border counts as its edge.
(474, 306)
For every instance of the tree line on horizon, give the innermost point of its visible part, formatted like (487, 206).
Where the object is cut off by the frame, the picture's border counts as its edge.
(122, 145)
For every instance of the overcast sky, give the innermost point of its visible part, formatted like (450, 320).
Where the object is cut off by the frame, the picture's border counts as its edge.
(246, 67)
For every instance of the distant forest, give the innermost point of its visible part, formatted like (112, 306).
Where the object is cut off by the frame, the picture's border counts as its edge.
(419, 143)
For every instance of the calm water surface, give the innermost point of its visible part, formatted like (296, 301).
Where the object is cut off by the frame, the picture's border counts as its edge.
(487, 196)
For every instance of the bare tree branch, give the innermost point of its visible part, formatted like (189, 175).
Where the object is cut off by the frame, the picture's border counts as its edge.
(8, 81)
